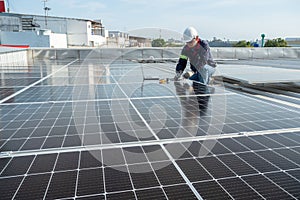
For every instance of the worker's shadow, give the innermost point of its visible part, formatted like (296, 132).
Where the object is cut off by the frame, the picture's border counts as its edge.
(195, 95)
(194, 106)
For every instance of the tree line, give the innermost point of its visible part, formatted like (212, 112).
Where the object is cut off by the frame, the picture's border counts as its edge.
(278, 42)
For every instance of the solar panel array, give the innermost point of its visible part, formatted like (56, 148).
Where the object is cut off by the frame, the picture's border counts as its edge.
(93, 130)
(260, 74)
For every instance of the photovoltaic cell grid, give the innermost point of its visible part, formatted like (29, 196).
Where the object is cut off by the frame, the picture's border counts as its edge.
(47, 117)
(259, 74)
(55, 125)
(232, 170)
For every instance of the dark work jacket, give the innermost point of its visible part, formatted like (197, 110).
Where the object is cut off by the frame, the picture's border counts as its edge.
(199, 55)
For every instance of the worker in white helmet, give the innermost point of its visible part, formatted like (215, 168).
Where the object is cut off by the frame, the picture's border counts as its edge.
(199, 55)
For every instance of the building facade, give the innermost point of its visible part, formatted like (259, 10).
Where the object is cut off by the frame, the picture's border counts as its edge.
(117, 39)
(48, 31)
(135, 41)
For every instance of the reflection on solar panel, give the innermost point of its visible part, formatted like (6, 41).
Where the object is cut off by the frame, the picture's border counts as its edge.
(96, 130)
(254, 74)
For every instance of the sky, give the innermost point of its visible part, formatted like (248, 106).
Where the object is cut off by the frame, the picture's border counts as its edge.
(223, 19)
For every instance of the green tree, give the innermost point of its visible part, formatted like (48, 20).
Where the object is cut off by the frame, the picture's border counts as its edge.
(158, 43)
(242, 43)
(276, 43)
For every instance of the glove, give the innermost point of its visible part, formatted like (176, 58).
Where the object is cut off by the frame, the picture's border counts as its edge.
(177, 76)
(186, 75)
(212, 64)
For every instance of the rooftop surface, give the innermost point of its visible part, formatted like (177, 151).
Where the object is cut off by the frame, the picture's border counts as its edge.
(95, 128)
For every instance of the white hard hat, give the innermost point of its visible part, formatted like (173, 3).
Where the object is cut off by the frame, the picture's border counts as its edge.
(189, 34)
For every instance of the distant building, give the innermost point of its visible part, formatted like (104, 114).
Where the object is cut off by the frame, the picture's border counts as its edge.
(174, 41)
(220, 43)
(135, 41)
(293, 42)
(117, 39)
(58, 32)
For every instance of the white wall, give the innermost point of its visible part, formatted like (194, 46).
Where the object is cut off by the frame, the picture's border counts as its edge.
(77, 33)
(58, 40)
(98, 40)
(255, 53)
(11, 61)
(33, 39)
(25, 38)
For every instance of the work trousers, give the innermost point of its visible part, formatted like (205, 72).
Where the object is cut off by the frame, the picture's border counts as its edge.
(203, 74)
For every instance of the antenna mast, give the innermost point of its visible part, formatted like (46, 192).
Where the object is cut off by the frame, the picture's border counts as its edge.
(8, 6)
(46, 9)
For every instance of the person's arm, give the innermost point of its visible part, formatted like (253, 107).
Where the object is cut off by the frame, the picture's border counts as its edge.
(181, 65)
(182, 62)
(206, 56)
(193, 68)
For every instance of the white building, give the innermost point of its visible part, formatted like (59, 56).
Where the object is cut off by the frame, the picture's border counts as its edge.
(57, 32)
(117, 39)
